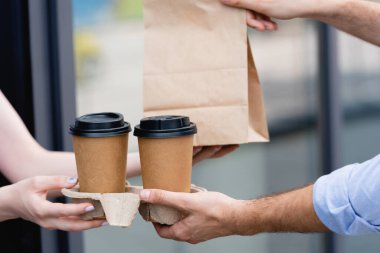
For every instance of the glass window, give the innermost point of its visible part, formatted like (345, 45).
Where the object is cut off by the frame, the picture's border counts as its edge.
(287, 67)
(108, 43)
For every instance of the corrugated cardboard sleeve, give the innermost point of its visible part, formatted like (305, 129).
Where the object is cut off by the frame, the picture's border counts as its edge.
(120, 209)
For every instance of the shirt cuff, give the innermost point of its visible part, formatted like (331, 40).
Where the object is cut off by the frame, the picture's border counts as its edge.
(332, 204)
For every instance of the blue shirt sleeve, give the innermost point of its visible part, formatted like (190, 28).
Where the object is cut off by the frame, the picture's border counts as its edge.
(347, 201)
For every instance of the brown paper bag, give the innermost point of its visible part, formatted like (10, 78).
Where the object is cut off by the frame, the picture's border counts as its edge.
(198, 63)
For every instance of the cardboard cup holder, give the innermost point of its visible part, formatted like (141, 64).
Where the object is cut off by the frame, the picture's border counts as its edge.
(158, 213)
(120, 209)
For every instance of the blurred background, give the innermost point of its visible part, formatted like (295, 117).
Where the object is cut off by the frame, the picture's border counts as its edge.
(108, 40)
(61, 59)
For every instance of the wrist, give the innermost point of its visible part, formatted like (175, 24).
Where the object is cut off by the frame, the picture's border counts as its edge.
(235, 218)
(7, 202)
(248, 218)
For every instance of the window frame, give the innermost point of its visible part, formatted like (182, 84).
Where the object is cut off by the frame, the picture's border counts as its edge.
(54, 103)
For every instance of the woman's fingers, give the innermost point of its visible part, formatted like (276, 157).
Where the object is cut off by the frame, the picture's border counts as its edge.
(33, 206)
(64, 210)
(225, 150)
(72, 224)
(205, 153)
(196, 150)
(46, 183)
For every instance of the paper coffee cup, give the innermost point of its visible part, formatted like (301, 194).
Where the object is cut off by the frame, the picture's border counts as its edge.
(100, 143)
(166, 152)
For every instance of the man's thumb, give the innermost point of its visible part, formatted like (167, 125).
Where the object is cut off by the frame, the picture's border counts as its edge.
(166, 198)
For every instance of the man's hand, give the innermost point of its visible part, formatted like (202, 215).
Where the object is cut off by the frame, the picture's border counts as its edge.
(358, 18)
(207, 214)
(283, 9)
(206, 152)
(261, 11)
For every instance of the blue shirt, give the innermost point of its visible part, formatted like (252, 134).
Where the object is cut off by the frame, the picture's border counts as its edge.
(347, 201)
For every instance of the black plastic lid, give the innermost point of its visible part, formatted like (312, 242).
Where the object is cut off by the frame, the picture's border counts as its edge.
(165, 127)
(100, 125)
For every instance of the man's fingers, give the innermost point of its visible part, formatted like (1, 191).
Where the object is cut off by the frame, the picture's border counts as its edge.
(164, 231)
(176, 200)
(225, 150)
(206, 153)
(176, 232)
(46, 183)
(65, 210)
(71, 224)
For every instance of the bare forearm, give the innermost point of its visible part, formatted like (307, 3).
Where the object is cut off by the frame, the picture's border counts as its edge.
(133, 165)
(287, 212)
(359, 18)
(50, 163)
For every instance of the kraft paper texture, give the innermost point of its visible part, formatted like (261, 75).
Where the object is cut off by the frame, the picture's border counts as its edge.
(198, 63)
(166, 163)
(101, 163)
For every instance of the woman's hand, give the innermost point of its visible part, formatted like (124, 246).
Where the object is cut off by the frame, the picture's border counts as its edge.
(27, 199)
(207, 152)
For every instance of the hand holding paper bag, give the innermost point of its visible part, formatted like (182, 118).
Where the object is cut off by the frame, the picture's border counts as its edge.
(209, 152)
(198, 63)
